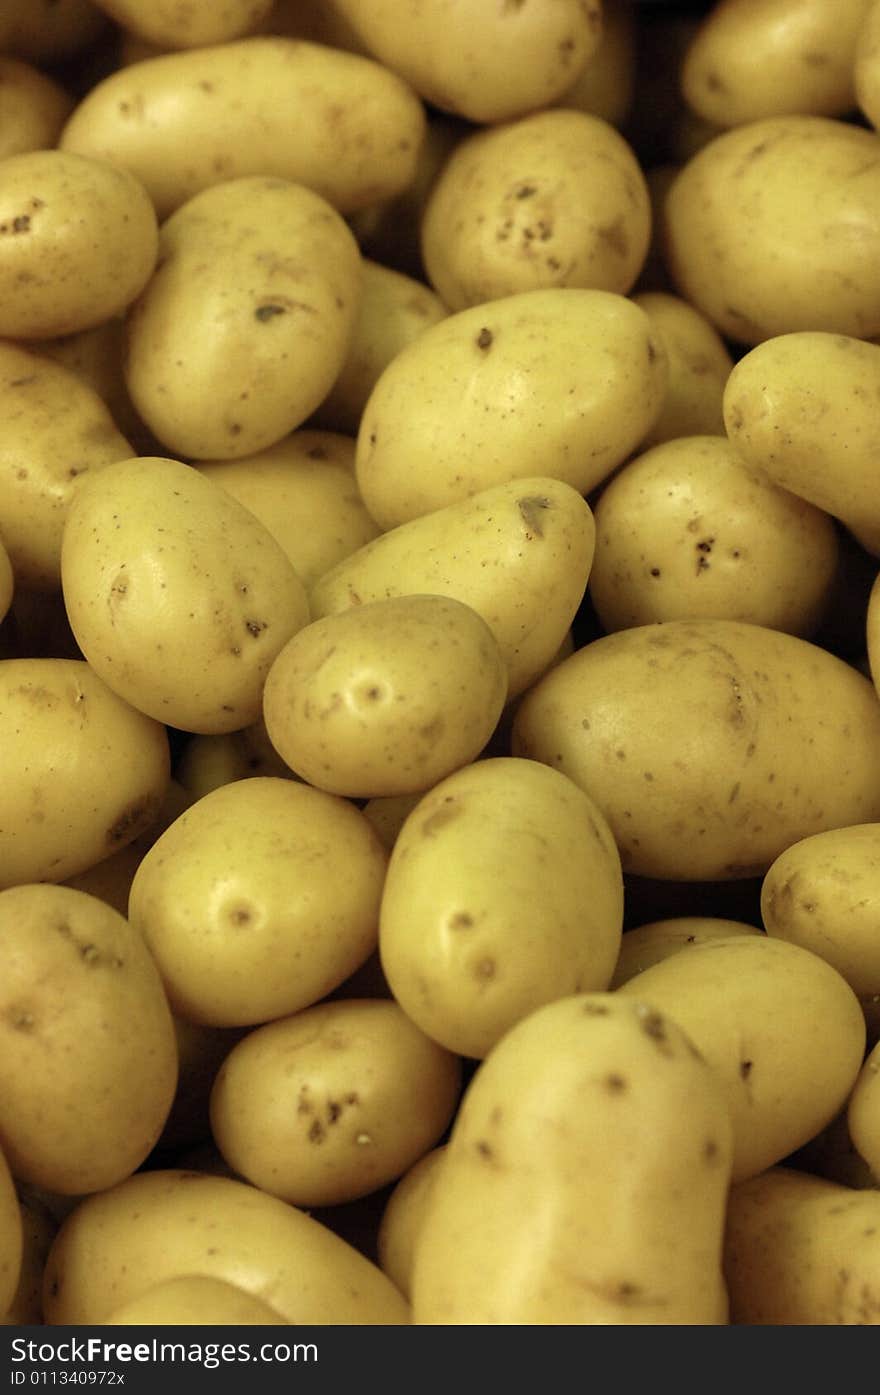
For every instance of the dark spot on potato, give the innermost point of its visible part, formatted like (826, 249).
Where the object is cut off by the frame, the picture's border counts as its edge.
(334, 1109)
(655, 571)
(19, 1019)
(267, 312)
(745, 1069)
(486, 1151)
(316, 1131)
(615, 1084)
(485, 970)
(444, 814)
(255, 627)
(595, 1010)
(23, 382)
(462, 920)
(525, 191)
(22, 223)
(710, 1150)
(129, 822)
(484, 339)
(531, 510)
(613, 235)
(317, 453)
(304, 1104)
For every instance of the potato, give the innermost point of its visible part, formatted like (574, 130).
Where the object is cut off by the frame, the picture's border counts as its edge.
(386, 698)
(802, 1251)
(258, 900)
(207, 762)
(200, 1053)
(503, 892)
(332, 1103)
(38, 1228)
(866, 65)
(388, 813)
(96, 355)
(196, 24)
(89, 1067)
(699, 366)
(747, 61)
(50, 31)
(78, 242)
(688, 530)
(33, 108)
(561, 382)
(394, 310)
(519, 554)
(533, 1220)
(11, 1237)
(645, 945)
(488, 63)
(246, 324)
(799, 407)
(556, 198)
(339, 123)
(172, 1223)
(178, 596)
(194, 1300)
(709, 745)
(758, 229)
(782, 1029)
(606, 86)
(402, 1219)
(7, 582)
(83, 772)
(863, 1113)
(57, 431)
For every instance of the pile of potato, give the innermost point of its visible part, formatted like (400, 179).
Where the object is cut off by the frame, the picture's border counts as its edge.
(439, 662)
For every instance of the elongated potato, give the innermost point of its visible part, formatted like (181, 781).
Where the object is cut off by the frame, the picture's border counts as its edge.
(709, 745)
(531, 1217)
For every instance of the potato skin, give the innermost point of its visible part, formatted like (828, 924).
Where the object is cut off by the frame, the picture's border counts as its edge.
(699, 366)
(194, 1300)
(194, 25)
(11, 1237)
(33, 108)
(651, 943)
(709, 745)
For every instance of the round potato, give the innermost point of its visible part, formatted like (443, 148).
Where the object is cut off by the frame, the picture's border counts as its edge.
(653, 942)
(699, 366)
(259, 899)
(89, 1065)
(504, 892)
(556, 198)
(386, 698)
(332, 1103)
(689, 530)
(178, 596)
(171, 1223)
(78, 243)
(758, 227)
(560, 382)
(194, 1300)
(83, 772)
(339, 123)
(709, 745)
(33, 108)
(246, 324)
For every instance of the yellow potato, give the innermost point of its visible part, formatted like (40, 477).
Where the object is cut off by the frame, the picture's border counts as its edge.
(178, 596)
(33, 108)
(709, 745)
(560, 382)
(394, 310)
(606, 86)
(200, 1053)
(863, 1113)
(170, 1223)
(83, 772)
(866, 65)
(649, 944)
(332, 1103)
(802, 1251)
(556, 198)
(800, 408)
(386, 698)
(534, 1218)
(78, 242)
(485, 63)
(504, 892)
(699, 366)
(519, 554)
(782, 1029)
(388, 813)
(758, 229)
(688, 530)
(11, 1237)
(38, 1228)
(57, 431)
(402, 1219)
(258, 900)
(196, 24)
(748, 61)
(207, 762)
(7, 582)
(96, 355)
(341, 124)
(89, 1066)
(246, 324)
(194, 1300)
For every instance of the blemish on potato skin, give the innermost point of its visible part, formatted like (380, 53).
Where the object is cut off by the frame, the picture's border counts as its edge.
(615, 1083)
(531, 510)
(20, 1020)
(484, 339)
(131, 820)
(444, 814)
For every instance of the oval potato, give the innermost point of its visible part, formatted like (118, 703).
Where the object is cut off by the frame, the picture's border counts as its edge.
(194, 1300)
(651, 943)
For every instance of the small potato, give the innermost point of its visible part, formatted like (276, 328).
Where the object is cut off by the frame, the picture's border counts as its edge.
(388, 814)
(386, 698)
(178, 596)
(689, 530)
(196, 24)
(33, 108)
(207, 762)
(556, 198)
(606, 86)
(649, 944)
(96, 355)
(194, 1300)
(261, 898)
(38, 1228)
(863, 1113)
(518, 554)
(170, 1223)
(57, 431)
(11, 1237)
(562, 382)
(699, 366)
(504, 892)
(341, 124)
(89, 1065)
(332, 1103)
(780, 1027)
(747, 61)
(758, 229)
(83, 772)
(78, 243)
(403, 1217)
(709, 745)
